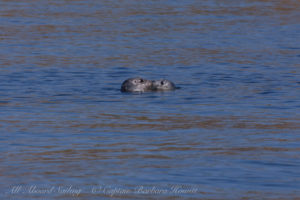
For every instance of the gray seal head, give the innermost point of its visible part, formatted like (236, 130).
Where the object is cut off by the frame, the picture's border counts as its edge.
(163, 85)
(136, 85)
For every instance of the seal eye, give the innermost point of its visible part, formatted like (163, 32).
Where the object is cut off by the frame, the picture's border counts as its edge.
(141, 80)
(161, 82)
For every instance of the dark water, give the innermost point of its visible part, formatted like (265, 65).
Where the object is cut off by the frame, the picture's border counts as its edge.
(230, 132)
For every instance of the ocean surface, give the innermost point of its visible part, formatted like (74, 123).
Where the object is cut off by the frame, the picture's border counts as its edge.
(232, 130)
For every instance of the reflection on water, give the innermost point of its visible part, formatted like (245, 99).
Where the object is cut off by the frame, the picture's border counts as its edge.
(231, 131)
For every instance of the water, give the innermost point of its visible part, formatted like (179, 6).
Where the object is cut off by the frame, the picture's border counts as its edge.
(230, 132)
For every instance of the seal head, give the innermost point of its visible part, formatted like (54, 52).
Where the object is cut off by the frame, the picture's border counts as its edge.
(163, 85)
(136, 85)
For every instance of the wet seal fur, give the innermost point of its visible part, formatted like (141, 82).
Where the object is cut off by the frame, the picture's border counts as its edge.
(163, 85)
(137, 84)
(140, 85)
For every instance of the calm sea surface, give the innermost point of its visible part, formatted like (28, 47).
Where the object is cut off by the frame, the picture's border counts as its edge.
(232, 131)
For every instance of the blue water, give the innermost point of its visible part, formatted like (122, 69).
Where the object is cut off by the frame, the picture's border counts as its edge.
(230, 132)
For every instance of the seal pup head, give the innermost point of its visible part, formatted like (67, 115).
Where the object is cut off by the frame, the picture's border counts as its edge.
(163, 85)
(137, 84)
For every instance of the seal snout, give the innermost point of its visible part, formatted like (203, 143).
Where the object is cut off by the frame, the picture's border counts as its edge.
(139, 84)
(163, 85)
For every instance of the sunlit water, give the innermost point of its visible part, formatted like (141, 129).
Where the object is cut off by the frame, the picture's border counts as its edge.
(230, 132)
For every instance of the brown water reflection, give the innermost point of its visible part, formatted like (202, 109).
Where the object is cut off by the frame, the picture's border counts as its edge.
(231, 131)
(164, 123)
(160, 36)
